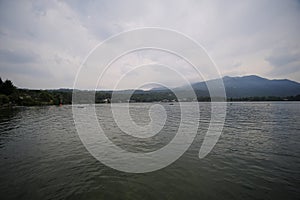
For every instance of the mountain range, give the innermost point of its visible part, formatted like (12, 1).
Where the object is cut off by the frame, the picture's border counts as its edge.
(247, 86)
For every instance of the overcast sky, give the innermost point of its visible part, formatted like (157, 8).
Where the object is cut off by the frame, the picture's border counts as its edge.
(42, 43)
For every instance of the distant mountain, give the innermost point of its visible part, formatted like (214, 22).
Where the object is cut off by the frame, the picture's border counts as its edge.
(251, 86)
(160, 89)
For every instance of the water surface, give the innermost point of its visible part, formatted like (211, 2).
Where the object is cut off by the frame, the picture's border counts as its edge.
(256, 157)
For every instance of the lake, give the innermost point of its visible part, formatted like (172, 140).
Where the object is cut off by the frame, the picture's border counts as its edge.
(256, 157)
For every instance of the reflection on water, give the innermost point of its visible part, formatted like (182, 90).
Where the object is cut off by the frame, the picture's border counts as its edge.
(257, 156)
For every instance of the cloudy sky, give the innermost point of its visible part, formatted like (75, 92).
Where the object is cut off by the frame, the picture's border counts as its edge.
(43, 43)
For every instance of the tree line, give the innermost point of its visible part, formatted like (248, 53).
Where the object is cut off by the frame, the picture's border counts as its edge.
(10, 95)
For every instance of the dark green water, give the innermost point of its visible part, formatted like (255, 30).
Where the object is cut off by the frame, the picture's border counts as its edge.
(256, 157)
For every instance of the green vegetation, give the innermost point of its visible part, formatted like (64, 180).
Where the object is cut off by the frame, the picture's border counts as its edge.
(10, 95)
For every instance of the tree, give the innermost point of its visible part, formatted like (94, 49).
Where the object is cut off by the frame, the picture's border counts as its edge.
(3, 99)
(7, 87)
(45, 97)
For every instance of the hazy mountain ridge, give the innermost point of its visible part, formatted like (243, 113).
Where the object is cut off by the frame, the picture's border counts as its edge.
(250, 86)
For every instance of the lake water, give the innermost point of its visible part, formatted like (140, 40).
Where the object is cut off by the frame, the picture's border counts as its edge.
(256, 157)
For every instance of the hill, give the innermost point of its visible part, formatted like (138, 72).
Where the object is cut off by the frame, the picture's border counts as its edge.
(251, 86)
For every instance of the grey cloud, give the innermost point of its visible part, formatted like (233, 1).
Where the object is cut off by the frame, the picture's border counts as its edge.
(283, 58)
(285, 61)
(24, 69)
(235, 33)
(291, 71)
(17, 56)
